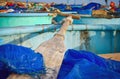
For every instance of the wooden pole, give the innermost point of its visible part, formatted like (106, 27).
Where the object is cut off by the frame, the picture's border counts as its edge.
(53, 50)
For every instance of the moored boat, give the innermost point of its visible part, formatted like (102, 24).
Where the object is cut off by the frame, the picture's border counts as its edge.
(24, 19)
(97, 35)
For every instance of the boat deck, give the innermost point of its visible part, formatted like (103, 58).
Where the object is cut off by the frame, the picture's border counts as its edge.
(114, 56)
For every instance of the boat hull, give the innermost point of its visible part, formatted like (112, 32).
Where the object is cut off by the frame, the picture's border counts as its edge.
(87, 19)
(24, 19)
(100, 39)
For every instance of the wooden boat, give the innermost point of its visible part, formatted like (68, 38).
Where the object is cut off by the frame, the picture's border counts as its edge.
(91, 20)
(99, 35)
(105, 14)
(24, 19)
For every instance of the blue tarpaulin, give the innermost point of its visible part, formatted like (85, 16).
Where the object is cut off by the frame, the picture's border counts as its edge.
(4, 71)
(76, 64)
(93, 6)
(21, 60)
(86, 65)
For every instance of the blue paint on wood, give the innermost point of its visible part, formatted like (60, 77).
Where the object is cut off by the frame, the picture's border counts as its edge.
(27, 29)
(102, 41)
(23, 14)
(1, 40)
(91, 20)
(46, 28)
(96, 38)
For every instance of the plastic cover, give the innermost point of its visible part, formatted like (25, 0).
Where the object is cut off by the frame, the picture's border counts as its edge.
(19, 59)
(86, 65)
(93, 6)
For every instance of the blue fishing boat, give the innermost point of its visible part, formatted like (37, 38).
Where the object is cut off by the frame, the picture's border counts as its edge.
(89, 19)
(97, 35)
(24, 19)
(100, 39)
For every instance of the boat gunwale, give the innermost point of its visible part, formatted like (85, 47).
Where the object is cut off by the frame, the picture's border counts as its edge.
(51, 27)
(23, 14)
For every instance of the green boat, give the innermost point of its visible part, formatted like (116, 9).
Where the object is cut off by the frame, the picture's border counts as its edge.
(24, 19)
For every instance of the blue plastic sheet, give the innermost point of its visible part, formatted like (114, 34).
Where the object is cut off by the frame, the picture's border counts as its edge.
(21, 60)
(90, 6)
(86, 65)
(93, 6)
(4, 72)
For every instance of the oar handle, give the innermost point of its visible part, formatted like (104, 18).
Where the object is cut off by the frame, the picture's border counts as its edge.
(66, 15)
(66, 23)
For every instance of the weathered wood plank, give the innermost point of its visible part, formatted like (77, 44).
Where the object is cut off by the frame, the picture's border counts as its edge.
(114, 56)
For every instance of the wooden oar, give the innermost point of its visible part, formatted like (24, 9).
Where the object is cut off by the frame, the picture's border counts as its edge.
(52, 51)
(58, 12)
(66, 15)
(18, 76)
